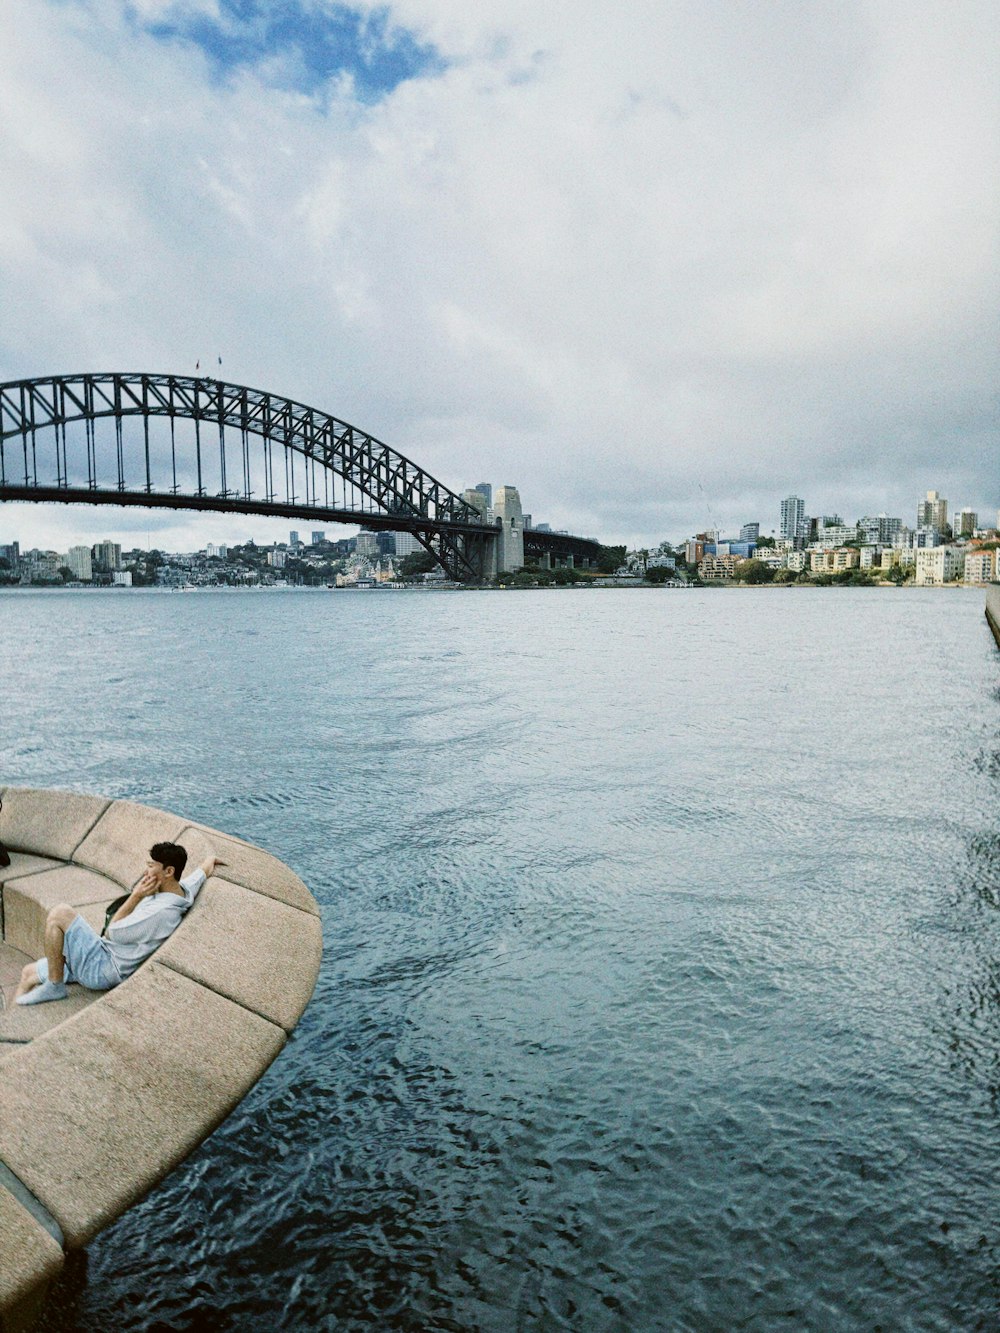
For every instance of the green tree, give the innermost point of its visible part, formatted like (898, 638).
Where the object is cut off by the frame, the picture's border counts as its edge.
(755, 571)
(417, 562)
(610, 558)
(659, 574)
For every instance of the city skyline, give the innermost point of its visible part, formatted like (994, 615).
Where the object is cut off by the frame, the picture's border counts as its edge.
(666, 259)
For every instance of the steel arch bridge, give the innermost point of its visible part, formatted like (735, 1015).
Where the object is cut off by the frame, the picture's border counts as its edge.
(180, 442)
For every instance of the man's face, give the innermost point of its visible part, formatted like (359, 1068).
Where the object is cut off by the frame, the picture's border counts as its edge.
(161, 875)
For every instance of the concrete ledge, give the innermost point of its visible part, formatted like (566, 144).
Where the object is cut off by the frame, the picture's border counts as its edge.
(29, 1260)
(102, 1095)
(993, 611)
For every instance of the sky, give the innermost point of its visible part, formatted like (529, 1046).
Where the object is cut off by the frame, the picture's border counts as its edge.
(658, 265)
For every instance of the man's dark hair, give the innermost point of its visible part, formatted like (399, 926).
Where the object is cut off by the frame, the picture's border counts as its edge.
(169, 854)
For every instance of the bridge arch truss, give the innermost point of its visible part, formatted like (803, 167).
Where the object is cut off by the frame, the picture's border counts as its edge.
(178, 442)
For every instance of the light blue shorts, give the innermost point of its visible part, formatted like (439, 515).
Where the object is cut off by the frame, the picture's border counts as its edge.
(88, 958)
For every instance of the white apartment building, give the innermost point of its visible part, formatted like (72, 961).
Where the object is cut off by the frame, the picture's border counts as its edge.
(80, 562)
(980, 567)
(938, 564)
(836, 534)
(406, 543)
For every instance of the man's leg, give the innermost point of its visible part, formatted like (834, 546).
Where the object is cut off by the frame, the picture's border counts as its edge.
(29, 980)
(57, 923)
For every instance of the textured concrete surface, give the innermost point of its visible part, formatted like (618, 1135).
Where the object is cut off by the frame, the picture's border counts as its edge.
(260, 871)
(23, 1023)
(129, 1087)
(30, 1260)
(27, 902)
(119, 843)
(253, 949)
(47, 823)
(23, 863)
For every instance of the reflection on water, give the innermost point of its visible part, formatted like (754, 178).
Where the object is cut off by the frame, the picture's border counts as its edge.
(661, 981)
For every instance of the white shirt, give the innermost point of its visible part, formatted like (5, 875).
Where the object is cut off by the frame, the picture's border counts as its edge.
(133, 938)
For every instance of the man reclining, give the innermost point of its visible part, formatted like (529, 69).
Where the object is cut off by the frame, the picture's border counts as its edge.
(149, 915)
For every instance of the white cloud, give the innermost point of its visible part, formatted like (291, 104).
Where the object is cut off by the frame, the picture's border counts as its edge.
(638, 261)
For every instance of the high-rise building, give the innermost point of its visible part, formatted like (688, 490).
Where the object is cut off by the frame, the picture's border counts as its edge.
(12, 554)
(966, 522)
(293, 539)
(106, 556)
(318, 537)
(878, 529)
(750, 532)
(486, 490)
(406, 543)
(932, 512)
(793, 511)
(366, 543)
(80, 562)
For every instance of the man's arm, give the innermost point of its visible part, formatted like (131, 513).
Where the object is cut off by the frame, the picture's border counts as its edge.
(147, 886)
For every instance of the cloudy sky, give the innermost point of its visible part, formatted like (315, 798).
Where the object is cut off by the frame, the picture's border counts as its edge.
(657, 264)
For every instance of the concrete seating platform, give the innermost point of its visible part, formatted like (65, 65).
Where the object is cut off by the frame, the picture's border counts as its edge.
(95, 1106)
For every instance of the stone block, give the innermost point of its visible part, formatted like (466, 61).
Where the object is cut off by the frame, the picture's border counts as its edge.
(12, 962)
(118, 845)
(22, 1023)
(31, 1259)
(110, 1101)
(48, 823)
(27, 902)
(23, 863)
(259, 870)
(251, 948)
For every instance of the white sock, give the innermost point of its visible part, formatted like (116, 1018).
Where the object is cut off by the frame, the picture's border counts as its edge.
(48, 990)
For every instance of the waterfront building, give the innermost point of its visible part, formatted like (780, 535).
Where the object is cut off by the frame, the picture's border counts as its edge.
(966, 522)
(980, 567)
(750, 532)
(895, 556)
(121, 578)
(718, 567)
(80, 561)
(106, 556)
(869, 557)
(939, 564)
(932, 512)
(796, 561)
(831, 560)
(793, 511)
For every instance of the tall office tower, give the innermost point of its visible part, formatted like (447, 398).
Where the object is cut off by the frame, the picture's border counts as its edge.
(966, 522)
(80, 562)
(750, 532)
(406, 543)
(107, 556)
(486, 490)
(932, 512)
(793, 511)
(318, 537)
(366, 543)
(293, 539)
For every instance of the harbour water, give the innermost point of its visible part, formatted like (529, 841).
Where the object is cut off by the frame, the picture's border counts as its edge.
(661, 986)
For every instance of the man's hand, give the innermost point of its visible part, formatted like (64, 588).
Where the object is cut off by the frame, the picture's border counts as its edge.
(211, 864)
